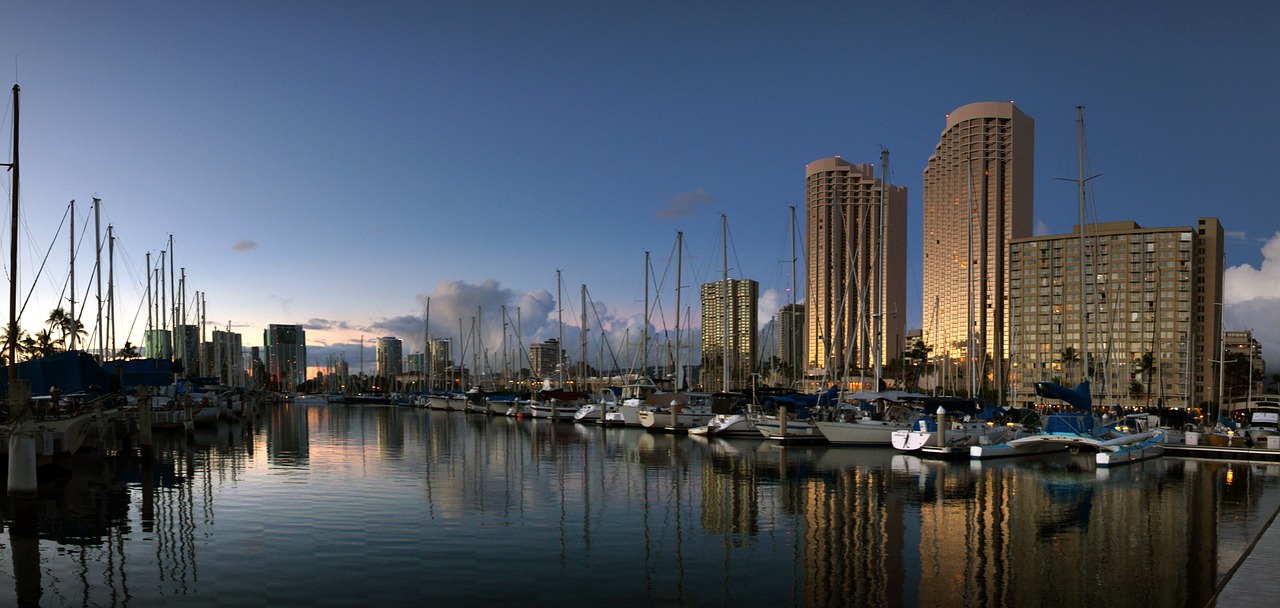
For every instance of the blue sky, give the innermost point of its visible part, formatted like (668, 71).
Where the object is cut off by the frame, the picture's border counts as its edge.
(333, 164)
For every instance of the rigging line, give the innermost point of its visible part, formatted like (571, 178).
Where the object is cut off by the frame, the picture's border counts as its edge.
(603, 335)
(39, 271)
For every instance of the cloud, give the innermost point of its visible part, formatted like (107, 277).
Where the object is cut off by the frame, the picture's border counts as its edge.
(325, 325)
(244, 245)
(770, 302)
(684, 204)
(1252, 297)
(1238, 235)
(1244, 282)
(1041, 228)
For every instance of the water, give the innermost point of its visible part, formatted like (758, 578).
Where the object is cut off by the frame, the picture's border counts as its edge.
(336, 506)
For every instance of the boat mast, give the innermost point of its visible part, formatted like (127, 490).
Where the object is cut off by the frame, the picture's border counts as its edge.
(97, 271)
(724, 304)
(791, 335)
(1084, 299)
(426, 350)
(71, 293)
(13, 251)
(968, 262)
(584, 337)
(644, 339)
(679, 263)
(560, 332)
(880, 268)
(111, 289)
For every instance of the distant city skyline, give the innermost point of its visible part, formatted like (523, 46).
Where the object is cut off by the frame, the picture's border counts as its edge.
(465, 154)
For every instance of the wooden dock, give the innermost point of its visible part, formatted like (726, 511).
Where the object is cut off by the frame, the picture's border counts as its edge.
(1222, 453)
(1252, 580)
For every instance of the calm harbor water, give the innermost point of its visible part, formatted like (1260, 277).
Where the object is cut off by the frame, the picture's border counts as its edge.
(333, 505)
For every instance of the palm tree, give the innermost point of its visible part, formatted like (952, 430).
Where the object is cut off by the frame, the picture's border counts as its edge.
(4, 339)
(42, 345)
(58, 320)
(1067, 357)
(128, 352)
(1144, 365)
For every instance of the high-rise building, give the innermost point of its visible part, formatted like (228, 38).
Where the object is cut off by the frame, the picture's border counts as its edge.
(158, 344)
(224, 356)
(856, 285)
(977, 199)
(1245, 366)
(791, 344)
(729, 332)
(286, 356)
(186, 347)
(1151, 296)
(388, 351)
(545, 358)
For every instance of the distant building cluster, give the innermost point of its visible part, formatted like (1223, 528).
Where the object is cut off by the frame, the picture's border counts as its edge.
(1136, 311)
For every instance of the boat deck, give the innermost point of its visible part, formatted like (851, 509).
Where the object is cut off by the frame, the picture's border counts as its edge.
(1252, 581)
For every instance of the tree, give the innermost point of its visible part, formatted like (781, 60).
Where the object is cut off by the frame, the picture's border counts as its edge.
(1144, 366)
(1067, 358)
(42, 345)
(128, 352)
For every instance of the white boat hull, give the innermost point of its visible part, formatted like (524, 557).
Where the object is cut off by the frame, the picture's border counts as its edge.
(862, 432)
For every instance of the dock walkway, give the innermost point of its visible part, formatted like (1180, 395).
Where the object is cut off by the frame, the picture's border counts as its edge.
(1253, 581)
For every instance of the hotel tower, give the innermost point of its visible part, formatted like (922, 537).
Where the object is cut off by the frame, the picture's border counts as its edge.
(977, 198)
(849, 280)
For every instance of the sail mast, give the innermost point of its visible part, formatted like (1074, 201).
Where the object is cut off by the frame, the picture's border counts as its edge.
(679, 263)
(724, 238)
(13, 251)
(1084, 298)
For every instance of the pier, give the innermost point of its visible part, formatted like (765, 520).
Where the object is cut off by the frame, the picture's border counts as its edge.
(1252, 581)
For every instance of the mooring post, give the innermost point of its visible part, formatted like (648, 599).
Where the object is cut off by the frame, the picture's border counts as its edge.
(22, 442)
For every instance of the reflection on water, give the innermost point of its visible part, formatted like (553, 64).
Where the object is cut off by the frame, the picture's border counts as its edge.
(385, 505)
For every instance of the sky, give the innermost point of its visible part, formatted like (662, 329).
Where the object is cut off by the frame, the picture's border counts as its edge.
(336, 164)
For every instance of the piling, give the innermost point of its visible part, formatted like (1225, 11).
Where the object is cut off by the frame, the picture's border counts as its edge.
(942, 427)
(22, 442)
(782, 422)
(145, 444)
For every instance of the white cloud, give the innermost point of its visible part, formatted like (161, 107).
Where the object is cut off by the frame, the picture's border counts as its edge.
(1252, 298)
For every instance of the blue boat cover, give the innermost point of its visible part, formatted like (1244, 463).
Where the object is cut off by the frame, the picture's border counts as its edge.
(142, 372)
(71, 372)
(1079, 397)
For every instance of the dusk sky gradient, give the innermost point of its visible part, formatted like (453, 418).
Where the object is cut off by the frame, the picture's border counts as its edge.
(333, 164)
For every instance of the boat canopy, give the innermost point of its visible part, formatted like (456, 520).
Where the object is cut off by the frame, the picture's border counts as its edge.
(1078, 398)
(71, 372)
(141, 372)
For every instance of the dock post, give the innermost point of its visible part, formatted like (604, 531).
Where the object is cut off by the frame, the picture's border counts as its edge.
(942, 427)
(782, 422)
(674, 405)
(145, 444)
(22, 442)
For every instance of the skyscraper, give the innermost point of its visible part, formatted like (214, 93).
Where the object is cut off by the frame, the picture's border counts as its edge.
(1153, 326)
(729, 313)
(791, 346)
(286, 363)
(850, 282)
(388, 351)
(977, 198)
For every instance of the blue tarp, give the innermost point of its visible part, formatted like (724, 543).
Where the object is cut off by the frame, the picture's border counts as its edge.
(142, 372)
(1079, 397)
(72, 372)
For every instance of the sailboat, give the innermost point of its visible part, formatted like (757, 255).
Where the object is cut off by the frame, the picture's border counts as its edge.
(70, 386)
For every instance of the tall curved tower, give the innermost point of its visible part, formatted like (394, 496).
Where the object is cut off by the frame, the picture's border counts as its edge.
(977, 198)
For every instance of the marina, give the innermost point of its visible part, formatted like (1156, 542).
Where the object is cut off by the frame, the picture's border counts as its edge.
(353, 505)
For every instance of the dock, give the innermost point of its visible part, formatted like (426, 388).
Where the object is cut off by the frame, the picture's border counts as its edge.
(1222, 453)
(1252, 580)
